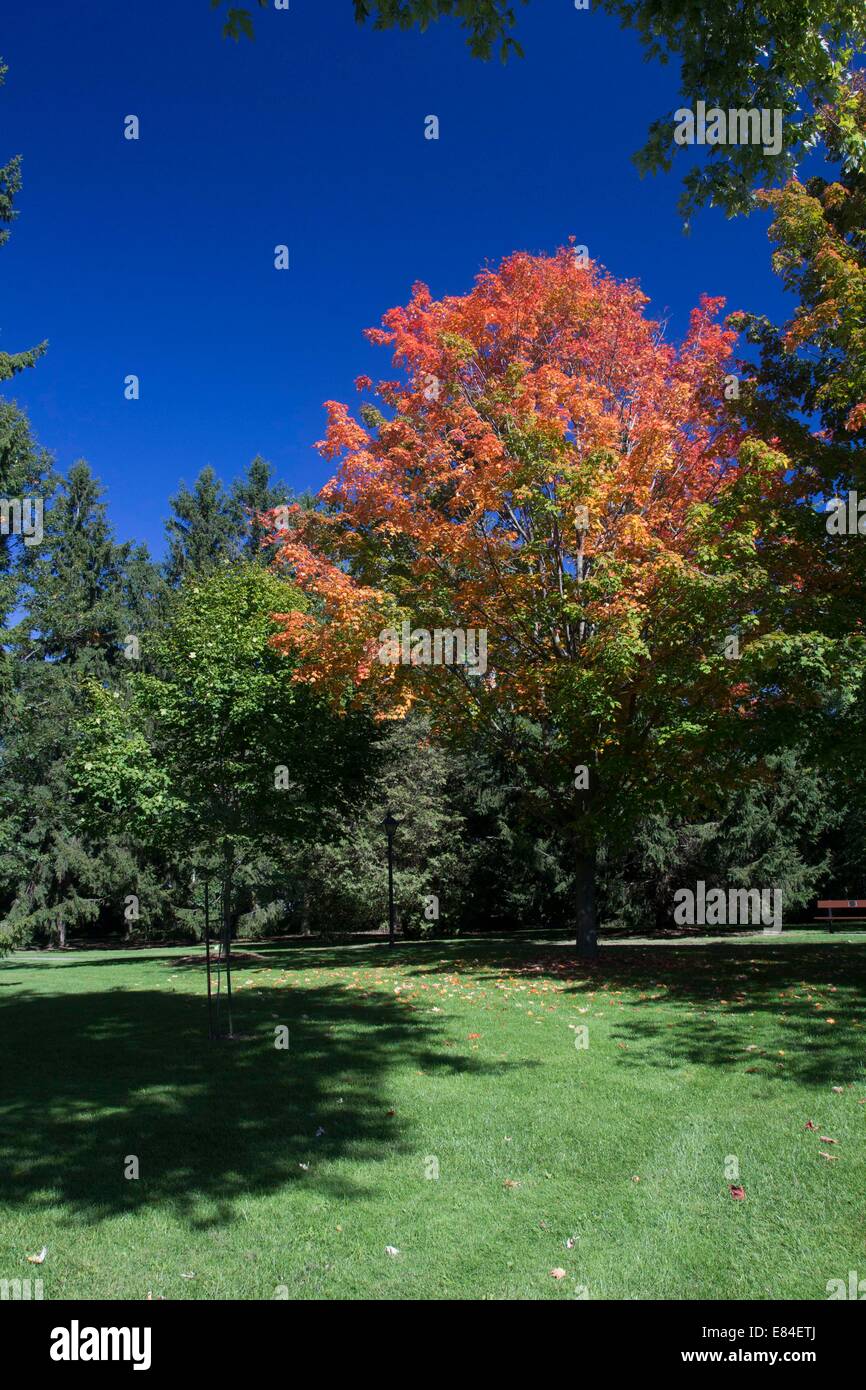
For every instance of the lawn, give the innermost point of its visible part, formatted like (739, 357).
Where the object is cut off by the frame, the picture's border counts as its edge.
(267, 1172)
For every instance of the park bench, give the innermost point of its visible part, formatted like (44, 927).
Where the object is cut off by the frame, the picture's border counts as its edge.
(830, 904)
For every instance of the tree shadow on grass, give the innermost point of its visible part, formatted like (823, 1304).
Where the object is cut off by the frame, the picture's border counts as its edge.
(764, 1013)
(717, 998)
(91, 1078)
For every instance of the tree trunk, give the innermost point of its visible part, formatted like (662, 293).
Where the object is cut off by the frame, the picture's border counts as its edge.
(61, 934)
(228, 879)
(585, 909)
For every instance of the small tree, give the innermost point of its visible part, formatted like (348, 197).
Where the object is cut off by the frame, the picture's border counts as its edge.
(220, 754)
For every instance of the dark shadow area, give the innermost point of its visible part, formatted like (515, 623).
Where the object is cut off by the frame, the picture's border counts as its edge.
(814, 1000)
(89, 1078)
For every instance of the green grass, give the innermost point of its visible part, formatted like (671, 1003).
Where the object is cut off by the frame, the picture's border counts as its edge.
(463, 1053)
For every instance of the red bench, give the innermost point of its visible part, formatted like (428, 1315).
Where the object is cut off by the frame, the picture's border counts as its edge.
(828, 904)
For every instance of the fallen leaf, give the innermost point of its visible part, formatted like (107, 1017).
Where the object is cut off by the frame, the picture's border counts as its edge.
(509, 1182)
(831, 1158)
(38, 1259)
(825, 1139)
(738, 1194)
(809, 1125)
(557, 1274)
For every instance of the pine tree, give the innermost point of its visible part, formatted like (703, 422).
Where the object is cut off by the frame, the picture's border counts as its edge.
(203, 534)
(256, 492)
(83, 594)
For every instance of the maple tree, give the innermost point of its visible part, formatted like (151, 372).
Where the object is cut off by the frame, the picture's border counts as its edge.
(816, 364)
(809, 390)
(551, 471)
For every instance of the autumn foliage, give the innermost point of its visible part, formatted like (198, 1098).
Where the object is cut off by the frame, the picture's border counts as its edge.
(547, 466)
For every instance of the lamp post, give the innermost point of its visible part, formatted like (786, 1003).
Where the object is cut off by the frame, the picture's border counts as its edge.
(390, 824)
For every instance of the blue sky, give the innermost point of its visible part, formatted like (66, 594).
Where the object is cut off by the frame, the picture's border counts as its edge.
(155, 257)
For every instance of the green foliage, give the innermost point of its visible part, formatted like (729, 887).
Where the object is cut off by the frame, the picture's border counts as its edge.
(815, 367)
(488, 23)
(251, 495)
(769, 833)
(219, 747)
(763, 54)
(24, 472)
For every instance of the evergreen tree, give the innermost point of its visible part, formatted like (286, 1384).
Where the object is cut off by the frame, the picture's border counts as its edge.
(75, 613)
(772, 834)
(254, 493)
(203, 534)
(84, 594)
